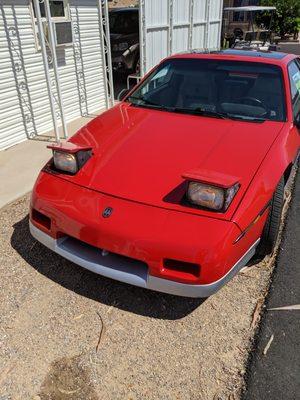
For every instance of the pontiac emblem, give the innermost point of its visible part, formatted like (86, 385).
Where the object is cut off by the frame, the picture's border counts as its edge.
(107, 212)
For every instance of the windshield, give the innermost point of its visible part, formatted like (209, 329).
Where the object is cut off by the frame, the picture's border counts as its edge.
(124, 22)
(227, 89)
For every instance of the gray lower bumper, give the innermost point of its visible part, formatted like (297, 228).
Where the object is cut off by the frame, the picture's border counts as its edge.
(131, 271)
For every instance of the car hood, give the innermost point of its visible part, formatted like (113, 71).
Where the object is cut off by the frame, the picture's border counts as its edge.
(143, 154)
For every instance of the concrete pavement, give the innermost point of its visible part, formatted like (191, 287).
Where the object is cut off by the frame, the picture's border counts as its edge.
(19, 167)
(276, 375)
(20, 164)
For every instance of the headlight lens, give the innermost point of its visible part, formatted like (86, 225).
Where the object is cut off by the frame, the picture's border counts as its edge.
(65, 161)
(209, 196)
(70, 162)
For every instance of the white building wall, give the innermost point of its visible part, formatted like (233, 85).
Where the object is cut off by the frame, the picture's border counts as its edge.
(24, 101)
(173, 26)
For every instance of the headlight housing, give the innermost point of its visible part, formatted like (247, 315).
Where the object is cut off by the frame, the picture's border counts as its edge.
(210, 196)
(120, 46)
(70, 162)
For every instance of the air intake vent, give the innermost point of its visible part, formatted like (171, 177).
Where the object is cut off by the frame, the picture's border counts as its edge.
(181, 271)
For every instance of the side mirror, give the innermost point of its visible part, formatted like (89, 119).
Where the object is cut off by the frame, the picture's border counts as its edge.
(123, 93)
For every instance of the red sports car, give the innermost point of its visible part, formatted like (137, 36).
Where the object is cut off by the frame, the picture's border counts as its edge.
(179, 185)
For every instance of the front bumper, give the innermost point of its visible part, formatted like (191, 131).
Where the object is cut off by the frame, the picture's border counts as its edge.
(137, 239)
(131, 271)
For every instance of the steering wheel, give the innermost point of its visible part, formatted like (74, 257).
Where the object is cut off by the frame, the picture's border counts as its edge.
(253, 101)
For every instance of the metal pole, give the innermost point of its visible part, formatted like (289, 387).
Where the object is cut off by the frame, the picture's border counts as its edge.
(270, 26)
(206, 32)
(142, 37)
(104, 66)
(171, 27)
(55, 67)
(46, 67)
(109, 63)
(252, 26)
(191, 27)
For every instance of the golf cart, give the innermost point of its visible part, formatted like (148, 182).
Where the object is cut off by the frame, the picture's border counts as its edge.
(254, 38)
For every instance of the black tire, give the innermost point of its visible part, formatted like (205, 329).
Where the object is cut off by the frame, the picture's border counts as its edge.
(271, 229)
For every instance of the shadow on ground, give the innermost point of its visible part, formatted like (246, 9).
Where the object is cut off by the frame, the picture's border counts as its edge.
(98, 288)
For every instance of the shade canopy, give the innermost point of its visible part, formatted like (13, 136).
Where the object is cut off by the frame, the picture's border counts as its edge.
(249, 8)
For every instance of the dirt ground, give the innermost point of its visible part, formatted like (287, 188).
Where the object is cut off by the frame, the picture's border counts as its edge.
(66, 333)
(123, 3)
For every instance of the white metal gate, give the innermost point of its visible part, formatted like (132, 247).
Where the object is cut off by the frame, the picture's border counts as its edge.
(172, 26)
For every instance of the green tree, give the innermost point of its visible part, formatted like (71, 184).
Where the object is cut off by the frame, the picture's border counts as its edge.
(286, 17)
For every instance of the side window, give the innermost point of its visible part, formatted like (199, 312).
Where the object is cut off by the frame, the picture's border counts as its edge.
(134, 22)
(160, 78)
(58, 9)
(294, 76)
(60, 14)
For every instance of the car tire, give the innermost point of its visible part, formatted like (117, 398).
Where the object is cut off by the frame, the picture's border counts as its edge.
(271, 229)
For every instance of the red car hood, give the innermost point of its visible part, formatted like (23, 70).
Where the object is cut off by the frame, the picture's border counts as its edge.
(142, 154)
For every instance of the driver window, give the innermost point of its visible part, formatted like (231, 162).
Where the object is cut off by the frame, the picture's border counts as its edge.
(294, 76)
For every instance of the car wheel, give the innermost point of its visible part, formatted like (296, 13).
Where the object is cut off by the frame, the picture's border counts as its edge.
(272, 226)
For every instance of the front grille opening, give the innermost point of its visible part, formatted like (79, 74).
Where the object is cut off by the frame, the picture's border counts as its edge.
(41, 219)
(120, 267)
(182, 269)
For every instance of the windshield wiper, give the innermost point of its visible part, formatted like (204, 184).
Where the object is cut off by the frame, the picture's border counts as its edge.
(193, 111)
(246, 118)
(199, 111)
(216, 114)
(146, 102)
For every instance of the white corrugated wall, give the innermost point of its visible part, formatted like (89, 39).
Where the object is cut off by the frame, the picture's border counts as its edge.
(172, 26)
(24, 102)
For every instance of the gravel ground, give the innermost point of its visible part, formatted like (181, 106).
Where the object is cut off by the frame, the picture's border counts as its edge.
(66, 333)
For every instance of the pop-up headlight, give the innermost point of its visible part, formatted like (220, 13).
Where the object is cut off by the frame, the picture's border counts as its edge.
(70, 158)
(209, 196)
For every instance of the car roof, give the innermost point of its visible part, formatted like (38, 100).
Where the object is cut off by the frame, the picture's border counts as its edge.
(269, 57)
(254, 53)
